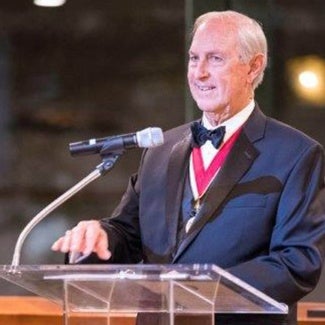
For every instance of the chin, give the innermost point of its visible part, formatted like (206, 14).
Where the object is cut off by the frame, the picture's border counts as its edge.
(210, 109)
(211, 105)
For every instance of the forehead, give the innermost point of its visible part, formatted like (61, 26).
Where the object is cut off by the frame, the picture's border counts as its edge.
(214, 36)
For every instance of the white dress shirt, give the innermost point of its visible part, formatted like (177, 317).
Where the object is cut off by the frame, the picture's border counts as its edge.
(208, 151)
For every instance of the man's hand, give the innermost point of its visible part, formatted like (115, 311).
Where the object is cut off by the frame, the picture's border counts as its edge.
(86, 238)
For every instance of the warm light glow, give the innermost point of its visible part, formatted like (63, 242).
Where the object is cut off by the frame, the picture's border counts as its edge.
(308, 79)
(49, 3)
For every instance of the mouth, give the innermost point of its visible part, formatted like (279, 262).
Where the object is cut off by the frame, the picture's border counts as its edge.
(204, 88)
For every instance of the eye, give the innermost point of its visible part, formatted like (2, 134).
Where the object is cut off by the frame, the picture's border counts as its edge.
(216, 59)
(193, 58)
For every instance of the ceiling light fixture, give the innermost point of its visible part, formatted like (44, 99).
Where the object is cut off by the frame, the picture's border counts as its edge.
(49, 3)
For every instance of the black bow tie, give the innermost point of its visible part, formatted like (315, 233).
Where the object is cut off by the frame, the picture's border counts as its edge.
(200, 135)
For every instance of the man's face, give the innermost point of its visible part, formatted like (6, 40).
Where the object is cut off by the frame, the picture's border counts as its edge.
(218, 80)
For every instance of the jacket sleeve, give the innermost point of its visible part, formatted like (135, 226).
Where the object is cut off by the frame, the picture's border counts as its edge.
(123, 228)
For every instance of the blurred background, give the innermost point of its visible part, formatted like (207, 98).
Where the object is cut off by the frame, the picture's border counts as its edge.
(94, 68)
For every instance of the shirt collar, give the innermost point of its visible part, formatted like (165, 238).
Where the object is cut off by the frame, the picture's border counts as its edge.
(234, 122)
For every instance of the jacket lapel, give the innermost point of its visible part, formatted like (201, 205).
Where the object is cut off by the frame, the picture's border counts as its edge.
(237, 163)
(177, 171)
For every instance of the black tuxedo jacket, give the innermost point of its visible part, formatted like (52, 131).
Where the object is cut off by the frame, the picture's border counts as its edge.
(257, 219)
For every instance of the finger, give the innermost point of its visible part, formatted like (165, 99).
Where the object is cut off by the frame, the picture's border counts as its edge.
(102, 246)
(91, 236)
(78, 238)
(57, 244)
(65, 245)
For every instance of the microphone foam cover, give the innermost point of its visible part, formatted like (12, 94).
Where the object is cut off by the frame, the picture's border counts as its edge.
(150, 137)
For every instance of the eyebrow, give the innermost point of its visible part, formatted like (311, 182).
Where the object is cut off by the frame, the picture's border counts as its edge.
(208, 53)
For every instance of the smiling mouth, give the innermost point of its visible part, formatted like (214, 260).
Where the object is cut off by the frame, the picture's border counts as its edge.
(204, 88)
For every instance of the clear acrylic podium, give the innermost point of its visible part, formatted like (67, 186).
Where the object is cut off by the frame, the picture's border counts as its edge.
(174, 291)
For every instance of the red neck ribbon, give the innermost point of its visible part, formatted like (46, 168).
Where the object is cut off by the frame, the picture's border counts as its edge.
(203, 176)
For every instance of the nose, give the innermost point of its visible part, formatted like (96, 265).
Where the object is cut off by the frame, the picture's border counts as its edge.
(201, 70)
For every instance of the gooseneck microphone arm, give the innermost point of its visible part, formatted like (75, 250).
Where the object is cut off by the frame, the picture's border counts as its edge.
(110, 149)
(107, 164)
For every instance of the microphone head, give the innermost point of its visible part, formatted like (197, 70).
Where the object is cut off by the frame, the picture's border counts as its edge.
(150, 137)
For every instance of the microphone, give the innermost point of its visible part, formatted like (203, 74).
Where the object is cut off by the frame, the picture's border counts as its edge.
(147, 138)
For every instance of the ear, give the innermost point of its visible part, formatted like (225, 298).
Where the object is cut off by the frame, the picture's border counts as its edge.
(257, 64)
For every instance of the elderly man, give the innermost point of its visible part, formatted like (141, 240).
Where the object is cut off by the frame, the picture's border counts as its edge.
(234, 188)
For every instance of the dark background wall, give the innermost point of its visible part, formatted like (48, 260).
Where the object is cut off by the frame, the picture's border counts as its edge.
(95, 68)
(87, 69)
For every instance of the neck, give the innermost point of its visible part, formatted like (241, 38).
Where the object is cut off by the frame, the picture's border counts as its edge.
(218, 117)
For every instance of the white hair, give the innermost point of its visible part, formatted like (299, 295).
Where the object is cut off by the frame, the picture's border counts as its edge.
(250, 34)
